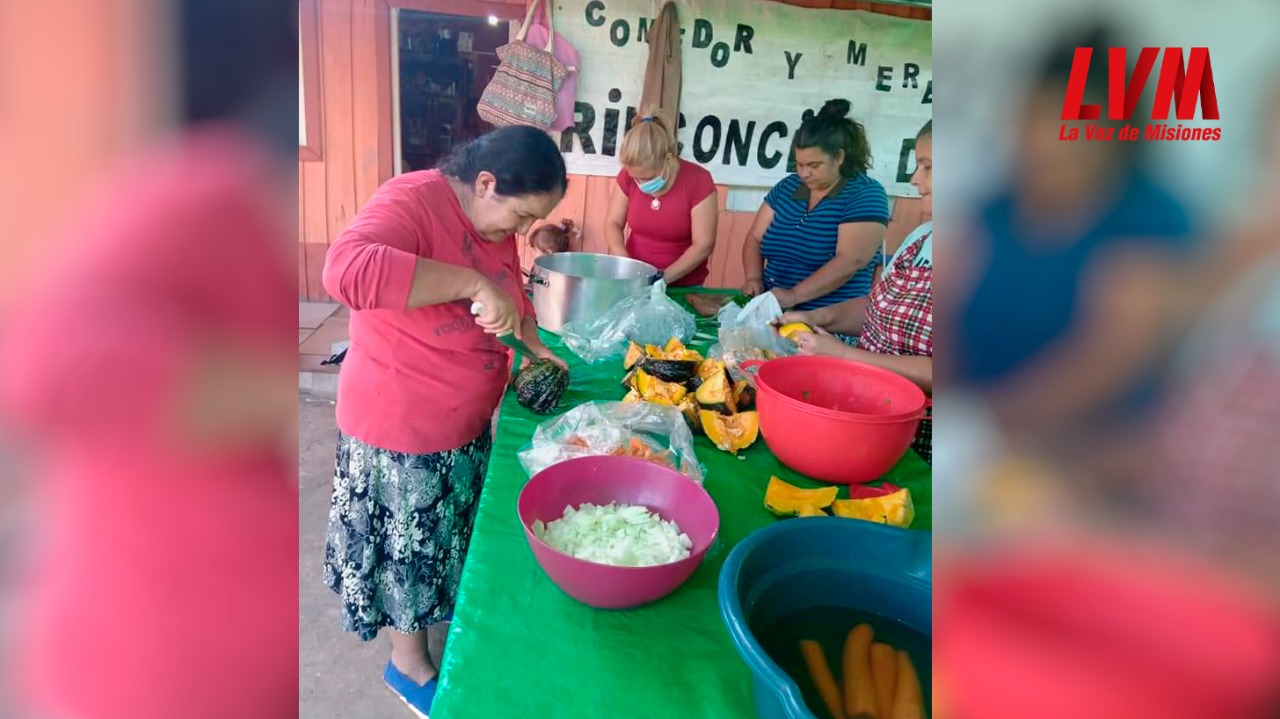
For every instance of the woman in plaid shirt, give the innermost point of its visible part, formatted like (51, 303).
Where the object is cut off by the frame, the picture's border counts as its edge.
(895, 323)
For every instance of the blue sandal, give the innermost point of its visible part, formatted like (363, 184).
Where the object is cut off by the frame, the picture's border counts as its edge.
(417, 698)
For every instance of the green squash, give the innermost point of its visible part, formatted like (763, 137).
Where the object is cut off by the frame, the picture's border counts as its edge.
(679, 371)
(540, 386)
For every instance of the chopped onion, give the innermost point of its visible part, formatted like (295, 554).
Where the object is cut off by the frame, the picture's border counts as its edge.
(624, 535)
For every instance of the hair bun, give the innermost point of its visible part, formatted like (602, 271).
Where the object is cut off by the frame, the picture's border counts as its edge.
(836, 109)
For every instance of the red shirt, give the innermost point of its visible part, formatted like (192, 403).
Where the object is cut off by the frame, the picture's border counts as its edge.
(661, 236)
(421, 380)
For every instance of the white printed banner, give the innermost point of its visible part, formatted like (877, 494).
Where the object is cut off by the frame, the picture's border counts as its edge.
(751, 70)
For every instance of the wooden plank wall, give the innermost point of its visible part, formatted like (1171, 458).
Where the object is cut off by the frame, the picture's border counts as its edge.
(332, 189)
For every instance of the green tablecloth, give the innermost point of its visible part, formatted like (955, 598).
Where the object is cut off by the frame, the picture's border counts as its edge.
(519, 647)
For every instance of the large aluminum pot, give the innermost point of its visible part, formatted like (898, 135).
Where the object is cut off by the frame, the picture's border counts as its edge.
(573, 286)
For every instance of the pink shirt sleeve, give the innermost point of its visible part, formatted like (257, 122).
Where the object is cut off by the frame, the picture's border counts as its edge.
(702, 187)
(372, 263)
(625, 182)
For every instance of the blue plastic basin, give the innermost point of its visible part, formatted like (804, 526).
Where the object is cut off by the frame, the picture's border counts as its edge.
(820, 562)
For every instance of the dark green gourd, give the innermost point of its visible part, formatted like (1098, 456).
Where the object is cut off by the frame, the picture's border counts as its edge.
(540, 386)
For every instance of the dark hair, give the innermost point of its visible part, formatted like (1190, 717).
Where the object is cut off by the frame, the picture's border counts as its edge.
(1053, 72)
(832, 131)
(552, 238)
(524, 160)
(926, 131)
(217, 83)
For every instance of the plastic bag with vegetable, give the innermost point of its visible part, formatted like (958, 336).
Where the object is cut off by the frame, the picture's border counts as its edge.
(657, 433)
(747, 333)
(649, 317)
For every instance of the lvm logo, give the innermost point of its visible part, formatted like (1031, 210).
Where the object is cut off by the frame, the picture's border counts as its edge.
(1179, 87)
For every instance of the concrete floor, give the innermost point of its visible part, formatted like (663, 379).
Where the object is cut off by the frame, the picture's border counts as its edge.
(339, 676)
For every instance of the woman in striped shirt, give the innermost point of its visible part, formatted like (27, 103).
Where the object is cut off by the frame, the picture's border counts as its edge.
(816, 239)
(895, 324)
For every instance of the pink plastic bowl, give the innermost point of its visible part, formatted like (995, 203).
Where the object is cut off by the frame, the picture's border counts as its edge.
(601, 480)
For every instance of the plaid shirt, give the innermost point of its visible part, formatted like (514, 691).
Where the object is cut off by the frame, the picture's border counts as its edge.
(900, 308)
(900, 320)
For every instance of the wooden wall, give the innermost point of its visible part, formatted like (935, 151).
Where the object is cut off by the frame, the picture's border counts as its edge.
(354, 60)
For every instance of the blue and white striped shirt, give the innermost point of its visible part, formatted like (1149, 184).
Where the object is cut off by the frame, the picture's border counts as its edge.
(800, 240)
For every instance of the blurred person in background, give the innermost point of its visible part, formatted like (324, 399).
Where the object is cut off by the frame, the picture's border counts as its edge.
(149, 369)
(1081, 606)
(1061, 298)
(1214, 481)
(894, 325)
(816, 238)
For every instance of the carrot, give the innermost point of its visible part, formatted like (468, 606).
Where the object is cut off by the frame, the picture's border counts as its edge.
(859, 689)
(908, 699)
(822, 677)
(884, 674)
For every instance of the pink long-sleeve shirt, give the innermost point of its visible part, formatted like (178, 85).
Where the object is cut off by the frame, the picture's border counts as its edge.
(427, 379)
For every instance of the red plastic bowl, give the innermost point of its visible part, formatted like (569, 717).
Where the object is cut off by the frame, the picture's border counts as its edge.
(601, 480)
(836, 420)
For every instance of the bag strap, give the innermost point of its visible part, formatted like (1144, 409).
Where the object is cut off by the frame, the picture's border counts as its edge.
(528, 16)
(551, 25)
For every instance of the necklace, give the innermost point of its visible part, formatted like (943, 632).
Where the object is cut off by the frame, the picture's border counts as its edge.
(655, 204)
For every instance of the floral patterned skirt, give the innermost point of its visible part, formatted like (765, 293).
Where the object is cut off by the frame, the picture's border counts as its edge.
(399, 527)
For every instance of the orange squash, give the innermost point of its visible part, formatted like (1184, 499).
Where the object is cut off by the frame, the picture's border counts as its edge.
(733, 432)
(654, 390)
(786, 499)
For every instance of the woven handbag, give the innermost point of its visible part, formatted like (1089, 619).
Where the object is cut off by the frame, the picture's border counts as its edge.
(523, 89)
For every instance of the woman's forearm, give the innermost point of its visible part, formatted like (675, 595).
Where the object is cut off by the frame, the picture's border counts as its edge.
(688, 262)
(845, 318)
(435, 283)
(918, 369)
(752, 260)
(614, 239)
(529, 335)
(828, 278)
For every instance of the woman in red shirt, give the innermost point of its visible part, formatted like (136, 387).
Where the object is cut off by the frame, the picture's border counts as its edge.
(668, 204)
(421, 381)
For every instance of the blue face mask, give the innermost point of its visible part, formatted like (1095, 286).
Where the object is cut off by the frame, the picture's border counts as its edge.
(655, 184)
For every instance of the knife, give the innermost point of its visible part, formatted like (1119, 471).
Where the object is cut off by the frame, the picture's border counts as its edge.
(508, 339)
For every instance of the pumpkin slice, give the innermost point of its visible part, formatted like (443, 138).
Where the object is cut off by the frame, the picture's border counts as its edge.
(785, 499)
(744, 395)
(894, 509)
(657, 391)
(716, 394)
(635, 353)
(633, 397)
(674, 347)
(731, 433)
(689, 409)
(709, 368)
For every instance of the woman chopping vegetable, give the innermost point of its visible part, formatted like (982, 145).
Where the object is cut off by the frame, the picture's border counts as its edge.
(816, 239)
(895, 324)
(422, 379)
(668, 204)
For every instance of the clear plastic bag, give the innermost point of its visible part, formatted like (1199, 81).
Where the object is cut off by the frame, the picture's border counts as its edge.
(747, 333)
(649, 431)
(649, 317)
